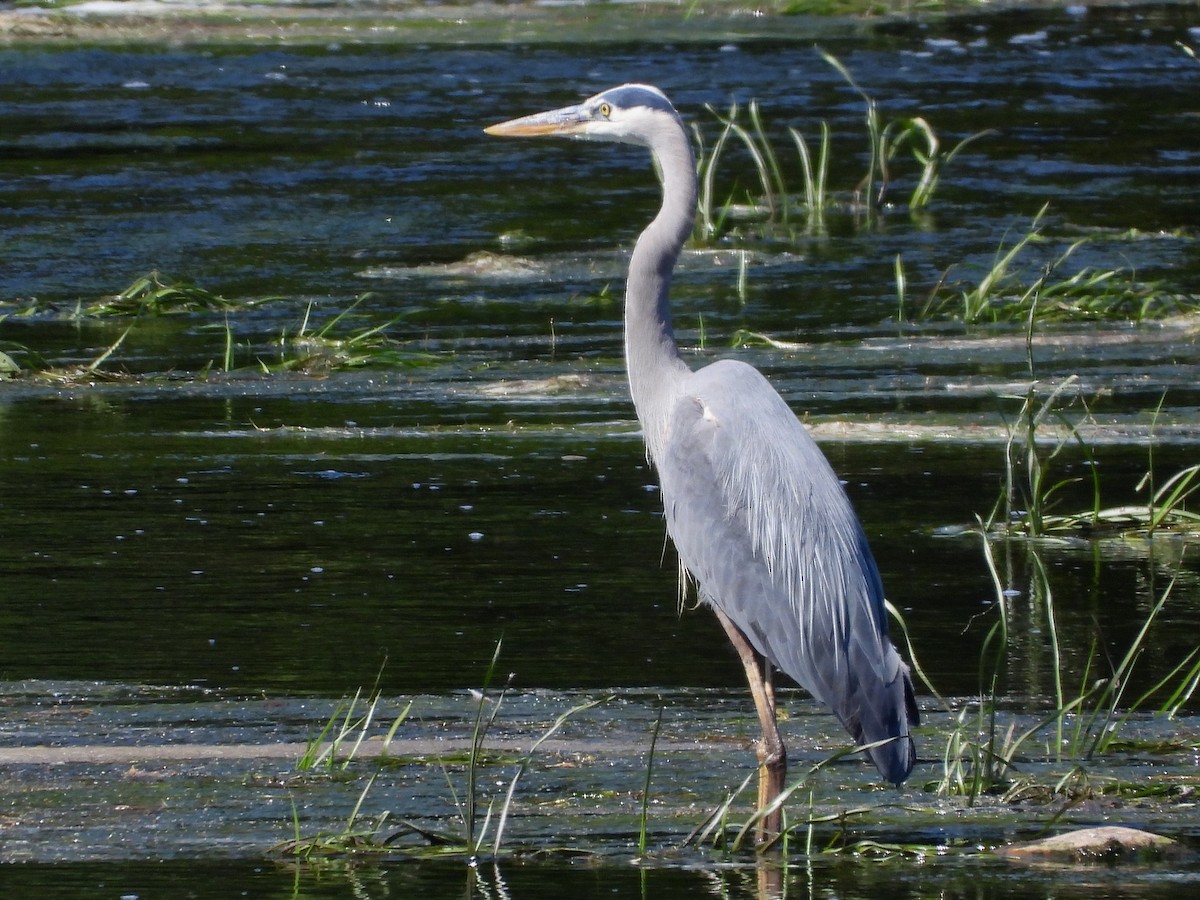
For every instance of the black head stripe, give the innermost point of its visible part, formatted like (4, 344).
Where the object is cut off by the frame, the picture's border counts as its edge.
(630, 96)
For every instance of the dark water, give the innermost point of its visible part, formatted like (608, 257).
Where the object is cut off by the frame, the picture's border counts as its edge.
(287, 534)
(842, 879)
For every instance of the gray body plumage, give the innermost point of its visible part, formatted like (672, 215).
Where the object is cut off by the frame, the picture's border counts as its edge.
(757, 515)
(763, 525)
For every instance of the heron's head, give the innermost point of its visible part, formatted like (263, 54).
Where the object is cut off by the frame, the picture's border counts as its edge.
(630, 114)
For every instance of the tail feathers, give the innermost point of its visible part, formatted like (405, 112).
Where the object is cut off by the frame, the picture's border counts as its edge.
(883, 714)
(870, 691)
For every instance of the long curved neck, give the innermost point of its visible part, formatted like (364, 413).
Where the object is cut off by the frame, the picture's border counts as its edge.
(656, 369)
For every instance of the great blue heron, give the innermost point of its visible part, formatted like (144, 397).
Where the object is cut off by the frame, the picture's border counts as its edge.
(759, 519)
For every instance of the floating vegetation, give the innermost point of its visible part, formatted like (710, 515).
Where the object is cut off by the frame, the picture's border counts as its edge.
(331, 347)
(39, 369)
(152, 294)
(155, 294)
(1165, 512)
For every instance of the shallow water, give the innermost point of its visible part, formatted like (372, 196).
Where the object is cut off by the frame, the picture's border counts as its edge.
(289, 535)
(176, 774)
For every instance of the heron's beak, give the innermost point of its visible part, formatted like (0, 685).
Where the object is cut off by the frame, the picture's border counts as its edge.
(570, 121)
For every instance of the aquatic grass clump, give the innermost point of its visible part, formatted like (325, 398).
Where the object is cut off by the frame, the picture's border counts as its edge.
(151, 294)
(984, 756)
(1167, 507)
(383, 834)
(155, 294)
(475, 833)
(773, 206)
(1164, 513)
(355, 837)
(312, 349)
(1030, 490)
(348, 720)
(1011, 290)
(332, 346)
(885, 143)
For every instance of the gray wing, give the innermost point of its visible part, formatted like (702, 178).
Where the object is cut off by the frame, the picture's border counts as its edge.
(761, 522)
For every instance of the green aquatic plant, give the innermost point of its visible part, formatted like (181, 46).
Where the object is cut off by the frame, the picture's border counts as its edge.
(885, 141)
(1095, 732)
(85, 373)
(1167, 507)
(1030, 489)
(150, 295)
(354, 839)
(825, 8)
(526, 760)
(926, 149)
(1050, 420)
(475, 834)
(384, 834)
(979, 752)
(1165, 512)
(773, 194)
(718, 832)
(8, 366)
(349, 724)
(982, 752)
(645, 814)
(711, 219)
(332, 346)
(156, 294)
(772, 206)
(1012, 289)
(468, 806)
(816, 176)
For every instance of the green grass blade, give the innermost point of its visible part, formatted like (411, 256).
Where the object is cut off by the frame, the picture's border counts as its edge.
(523, 765)
(646, 787)
(99, 360)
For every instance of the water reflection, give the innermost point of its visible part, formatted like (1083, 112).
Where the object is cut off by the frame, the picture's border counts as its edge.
(528, 880)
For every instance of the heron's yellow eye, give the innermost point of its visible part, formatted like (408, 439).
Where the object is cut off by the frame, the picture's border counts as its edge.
(605, 110)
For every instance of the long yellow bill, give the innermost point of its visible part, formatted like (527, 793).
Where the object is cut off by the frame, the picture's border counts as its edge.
(566, 122)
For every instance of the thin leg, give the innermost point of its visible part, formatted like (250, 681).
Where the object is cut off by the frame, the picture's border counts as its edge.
(772, 755)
